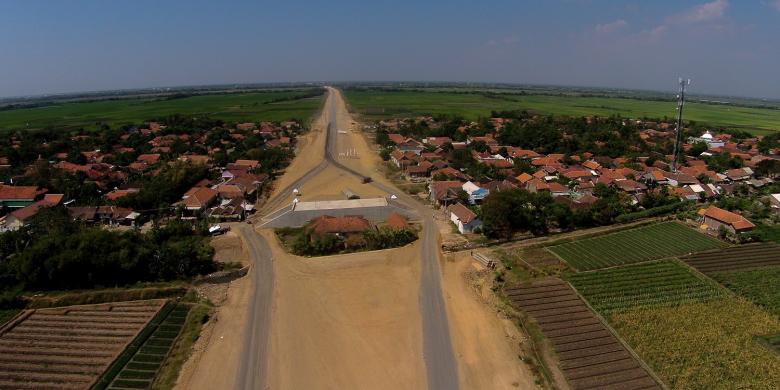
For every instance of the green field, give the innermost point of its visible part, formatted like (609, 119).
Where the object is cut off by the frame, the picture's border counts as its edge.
(762, 286)
(704, 345)
(656, 241)
(376, 104)
(656, 284)
(237, 107)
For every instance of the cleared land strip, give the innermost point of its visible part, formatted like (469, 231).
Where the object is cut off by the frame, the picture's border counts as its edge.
(68, 347)
(743, 257)
(590, 356)
(646, 243)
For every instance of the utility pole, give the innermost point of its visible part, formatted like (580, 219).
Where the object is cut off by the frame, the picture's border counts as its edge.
(679, 129)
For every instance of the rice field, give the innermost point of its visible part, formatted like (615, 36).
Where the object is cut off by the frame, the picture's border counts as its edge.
(656, 284)
(662, 240)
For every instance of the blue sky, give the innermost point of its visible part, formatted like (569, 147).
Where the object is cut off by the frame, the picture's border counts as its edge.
(726, 47)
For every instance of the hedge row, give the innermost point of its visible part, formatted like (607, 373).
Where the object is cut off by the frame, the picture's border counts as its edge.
(653, 212)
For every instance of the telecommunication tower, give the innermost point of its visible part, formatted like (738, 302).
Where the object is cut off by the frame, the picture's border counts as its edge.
(679, 129)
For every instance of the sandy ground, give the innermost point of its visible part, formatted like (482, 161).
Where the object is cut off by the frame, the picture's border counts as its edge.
(346, 322)
(222, 336)
(487, 346)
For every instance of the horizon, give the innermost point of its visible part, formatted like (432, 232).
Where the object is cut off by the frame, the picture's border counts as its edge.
(725, 47)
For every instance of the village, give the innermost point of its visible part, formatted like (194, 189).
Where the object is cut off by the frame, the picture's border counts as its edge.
(459, 175)
(154, 171)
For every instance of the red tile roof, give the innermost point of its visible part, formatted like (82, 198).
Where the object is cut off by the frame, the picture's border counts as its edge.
(737, 221)
(348, 224)
(19, 192)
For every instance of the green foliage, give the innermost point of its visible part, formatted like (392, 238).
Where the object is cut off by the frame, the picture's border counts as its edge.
(651, 212)
(384, 237)
(473, 105)
(762, 286)
(655, 284)
(632, 246)
(54, 253)
(159, 191)
(505, 212)
(276, 105)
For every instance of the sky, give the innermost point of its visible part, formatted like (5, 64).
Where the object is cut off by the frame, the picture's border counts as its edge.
(725, 47)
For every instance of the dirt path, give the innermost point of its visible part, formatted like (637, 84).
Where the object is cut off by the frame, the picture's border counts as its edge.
(486, 344)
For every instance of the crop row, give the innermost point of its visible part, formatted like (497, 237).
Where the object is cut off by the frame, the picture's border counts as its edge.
(762, 286)
(750, 256)
(140, 370)
(660, 283)
(632, 246)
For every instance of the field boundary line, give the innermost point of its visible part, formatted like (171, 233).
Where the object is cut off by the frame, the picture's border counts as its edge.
(709, 279)
(619, 338)
(13, 322)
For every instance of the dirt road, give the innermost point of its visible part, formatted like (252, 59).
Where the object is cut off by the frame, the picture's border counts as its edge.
(367, 320)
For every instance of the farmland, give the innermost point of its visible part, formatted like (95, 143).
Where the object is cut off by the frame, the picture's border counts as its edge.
(632, 246)
(742, 257)
(704, 345)
(68, 347)
(760, 286)
(655, 284)
(588, 353)
(381, 104)
(267, 105)
(145, 356)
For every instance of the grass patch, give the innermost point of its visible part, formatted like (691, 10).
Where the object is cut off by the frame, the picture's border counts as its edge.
(277, 105)
(88, 297)
(767, 233)
(707, 345)
(656, 241)
(656, 284)
(762, 286)
(378, 104)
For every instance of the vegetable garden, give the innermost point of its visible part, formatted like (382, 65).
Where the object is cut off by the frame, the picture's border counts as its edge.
(660, 283)
(651, 242)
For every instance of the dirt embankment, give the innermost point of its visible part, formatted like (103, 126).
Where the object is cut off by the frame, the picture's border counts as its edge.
(487, 345)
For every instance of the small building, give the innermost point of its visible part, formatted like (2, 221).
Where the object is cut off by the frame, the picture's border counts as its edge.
(16, 197)
(712, 218)
(774, 202)
(21, 217)
(475, 192)
(463, 218)
(197, 198)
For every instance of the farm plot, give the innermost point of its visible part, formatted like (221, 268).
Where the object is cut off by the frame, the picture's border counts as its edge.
(704, 345)
(68, 347)
(651, 242)
(762, 286)
(140, 363)
(742, 257)
(659, 283)
(590, 356)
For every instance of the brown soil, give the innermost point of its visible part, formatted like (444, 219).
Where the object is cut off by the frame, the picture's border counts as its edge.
(486, 344)
(346, 322)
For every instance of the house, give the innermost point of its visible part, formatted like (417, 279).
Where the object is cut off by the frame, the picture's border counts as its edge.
(463, 218)
(396, 221)
(739, 174)
(197, 198)
(16, 197)
(411, 145)
(712, 218)
(348, 228)
(443, 193)
(21, 217)
(774, 203)
(118, 193)
(107, 215)
(475, 192)
(234, 209)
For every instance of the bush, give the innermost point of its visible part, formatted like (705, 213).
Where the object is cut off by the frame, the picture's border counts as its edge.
(652, 212)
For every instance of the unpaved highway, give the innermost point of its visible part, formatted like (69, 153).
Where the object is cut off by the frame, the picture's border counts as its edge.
(440, 365)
